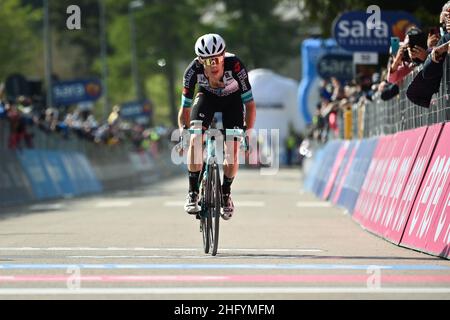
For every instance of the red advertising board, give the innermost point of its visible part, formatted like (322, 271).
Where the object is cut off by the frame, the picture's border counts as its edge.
(431, 197)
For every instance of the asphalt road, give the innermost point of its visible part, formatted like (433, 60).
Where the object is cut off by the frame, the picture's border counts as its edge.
(282, 243)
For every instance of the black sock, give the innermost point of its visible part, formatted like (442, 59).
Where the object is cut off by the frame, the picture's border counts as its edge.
(193, 181)
(226, 186)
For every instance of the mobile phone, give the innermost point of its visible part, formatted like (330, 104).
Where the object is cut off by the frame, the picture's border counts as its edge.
(419, 39)
(395, 45)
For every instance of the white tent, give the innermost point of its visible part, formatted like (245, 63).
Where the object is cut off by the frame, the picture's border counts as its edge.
(276, 101)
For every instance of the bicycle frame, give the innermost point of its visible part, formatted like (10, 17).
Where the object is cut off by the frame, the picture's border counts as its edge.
(211, 157)
(212, 198)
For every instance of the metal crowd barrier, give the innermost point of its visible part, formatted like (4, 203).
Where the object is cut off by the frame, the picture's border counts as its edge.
(378, 117)
(4, 134)
(55, 141)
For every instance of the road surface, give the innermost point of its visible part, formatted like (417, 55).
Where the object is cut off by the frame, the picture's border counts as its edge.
(282, 243)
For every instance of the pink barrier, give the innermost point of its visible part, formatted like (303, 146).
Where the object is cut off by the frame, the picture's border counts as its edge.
(334, 171)
(428, 227)
(439, 241)
(373, 179)
(402, 209)
(406, 147)
(340, 184)
(383, 176)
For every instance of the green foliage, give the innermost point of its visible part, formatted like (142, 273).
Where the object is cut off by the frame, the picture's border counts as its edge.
(85, 40)
(18, 43)
(256, 33)
(166, 30)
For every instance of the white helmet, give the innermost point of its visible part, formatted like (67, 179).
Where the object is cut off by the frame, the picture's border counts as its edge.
(209, 45)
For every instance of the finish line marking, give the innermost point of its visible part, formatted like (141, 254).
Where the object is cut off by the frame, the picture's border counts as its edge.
(186, 257)
(156, 249)
(216, 266)
(219, 290)
(362, 279)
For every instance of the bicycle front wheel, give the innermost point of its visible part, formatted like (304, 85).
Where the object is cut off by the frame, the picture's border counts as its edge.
(204, 226)
(215, 204)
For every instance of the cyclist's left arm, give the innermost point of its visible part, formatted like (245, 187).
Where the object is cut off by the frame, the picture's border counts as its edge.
(250, 114)
(241, 75)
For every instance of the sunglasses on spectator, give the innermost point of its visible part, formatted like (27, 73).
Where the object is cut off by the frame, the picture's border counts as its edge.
(210, 61)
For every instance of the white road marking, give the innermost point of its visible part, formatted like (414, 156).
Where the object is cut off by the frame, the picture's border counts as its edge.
(182, 257)
(156, 249)
(249, 203)
(221, 290)
(43, 207)
(174, 203)
(312, 204)
(113, 204)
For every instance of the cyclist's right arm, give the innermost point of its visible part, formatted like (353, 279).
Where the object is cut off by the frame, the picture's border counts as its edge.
(189, 82)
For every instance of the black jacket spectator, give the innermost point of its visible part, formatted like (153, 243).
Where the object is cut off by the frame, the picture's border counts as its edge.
(432, 69)
(421, 90)
(389, 91)
(428, 80)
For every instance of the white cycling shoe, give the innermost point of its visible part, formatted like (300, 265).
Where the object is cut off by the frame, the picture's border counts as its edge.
(228, 207)
(191, 206)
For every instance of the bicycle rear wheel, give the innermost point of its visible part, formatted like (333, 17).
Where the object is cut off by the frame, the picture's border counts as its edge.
(215, 204)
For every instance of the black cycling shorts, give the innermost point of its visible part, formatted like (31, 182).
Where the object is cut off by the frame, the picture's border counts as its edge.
(206, 104)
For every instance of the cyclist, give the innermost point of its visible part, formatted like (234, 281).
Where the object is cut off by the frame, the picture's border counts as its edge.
(223, 86)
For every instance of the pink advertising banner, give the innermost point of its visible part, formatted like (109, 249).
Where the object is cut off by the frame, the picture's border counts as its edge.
(373, 179)
(348, 165)
(406, 148)
(334, 171)
(399, 210)
(425, 215)
(439, 239)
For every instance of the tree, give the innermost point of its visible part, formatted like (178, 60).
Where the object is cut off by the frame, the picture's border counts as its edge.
(257, 33)
(19, 45)
(82, 46)
(165, 32)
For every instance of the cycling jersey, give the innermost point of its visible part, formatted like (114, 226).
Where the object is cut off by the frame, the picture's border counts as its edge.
(235, 79)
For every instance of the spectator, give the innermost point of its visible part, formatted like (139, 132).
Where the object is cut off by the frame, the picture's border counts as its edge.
(408, 57)
(318, 122)
(2, 103)
(114, 116)
(427, 81)
(290, 145)
(434, 64)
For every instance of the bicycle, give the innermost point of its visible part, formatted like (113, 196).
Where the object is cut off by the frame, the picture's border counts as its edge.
(210, 188)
